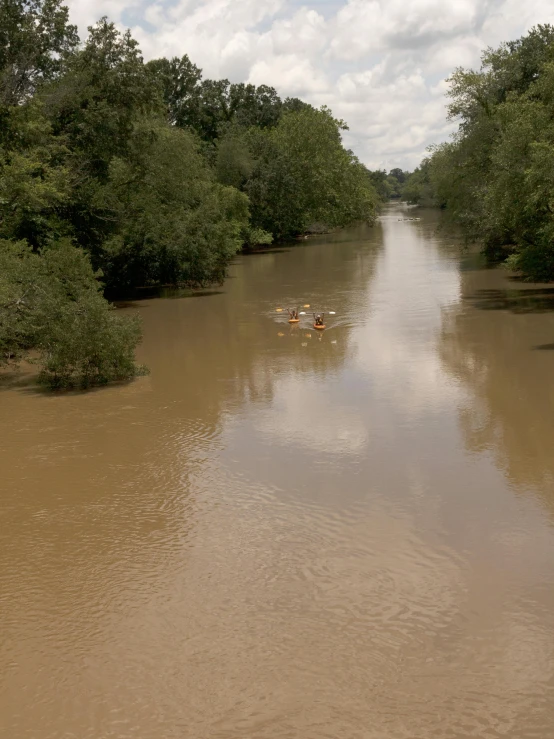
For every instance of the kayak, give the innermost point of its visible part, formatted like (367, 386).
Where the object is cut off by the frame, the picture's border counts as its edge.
(294, 320)
(320, 326)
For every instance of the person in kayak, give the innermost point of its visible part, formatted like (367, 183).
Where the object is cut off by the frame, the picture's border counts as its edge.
(318, 320)
(293, 314)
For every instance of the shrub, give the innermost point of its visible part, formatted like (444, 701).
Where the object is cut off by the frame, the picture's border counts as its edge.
(52, 303)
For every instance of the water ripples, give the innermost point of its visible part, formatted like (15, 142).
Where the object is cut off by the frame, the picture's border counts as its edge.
(255, 542)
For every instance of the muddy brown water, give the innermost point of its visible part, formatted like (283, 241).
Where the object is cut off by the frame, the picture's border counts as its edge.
(283, 534)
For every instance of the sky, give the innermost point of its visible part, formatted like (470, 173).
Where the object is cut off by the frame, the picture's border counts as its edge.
(380, 65)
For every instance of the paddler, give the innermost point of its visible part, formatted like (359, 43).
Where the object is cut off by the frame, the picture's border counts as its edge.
(293, 314)
(318, 320)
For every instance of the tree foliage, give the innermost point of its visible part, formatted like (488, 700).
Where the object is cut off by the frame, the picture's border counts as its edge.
(208, 106)
(51, 303)
(417, 187)
(388, 186)
(175, 224)
(496, 176)
(304, 175)
(35, 39)
(143, 173)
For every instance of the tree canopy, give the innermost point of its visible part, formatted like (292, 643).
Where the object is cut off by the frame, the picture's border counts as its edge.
(496, 176)
(35, 41)
(52, 304)
(388, 186)
(150, 173)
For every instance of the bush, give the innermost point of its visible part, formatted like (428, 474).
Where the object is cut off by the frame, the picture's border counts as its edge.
(535, 261)
(87, 344)
(52, 303)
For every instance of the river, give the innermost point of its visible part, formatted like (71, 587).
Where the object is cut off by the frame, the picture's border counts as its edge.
(281, 533)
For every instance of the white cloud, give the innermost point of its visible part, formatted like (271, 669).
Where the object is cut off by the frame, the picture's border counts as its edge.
(305, 31)
(362, 26)
(291, 72)
(379, 64)
(85, 12)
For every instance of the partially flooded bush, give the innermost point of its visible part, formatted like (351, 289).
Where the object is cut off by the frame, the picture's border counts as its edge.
(52, 303)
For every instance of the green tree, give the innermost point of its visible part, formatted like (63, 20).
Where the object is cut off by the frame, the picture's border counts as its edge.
(379, 181)
(395, 181)
(179, 80)
(495, 175)
(399, 175)
(35, 39)
(51, 303)
(234, 160)
(35, 181)
(304, 175)
(174, 223)
(260, 106)
(417, 188)
(105, 88)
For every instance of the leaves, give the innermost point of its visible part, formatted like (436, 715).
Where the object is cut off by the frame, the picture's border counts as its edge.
(174, 223)
(52, 303)
(35, 39)
(495, 177)
(303, 175)
(142, 173)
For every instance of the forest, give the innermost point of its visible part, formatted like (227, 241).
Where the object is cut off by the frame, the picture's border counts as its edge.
(495, 177)
(117, 173)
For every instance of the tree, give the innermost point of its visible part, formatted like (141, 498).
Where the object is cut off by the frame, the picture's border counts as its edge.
(295, 105)
(398, 175)
(253, 106)
(303, 175)
(495, 175)
(417, 188)
(35, 181)
(105, 88)
(172, 222)
(179, 80)
(234, 161)
(395, 180)
(208, 106)
(35, 39)
(378, 180)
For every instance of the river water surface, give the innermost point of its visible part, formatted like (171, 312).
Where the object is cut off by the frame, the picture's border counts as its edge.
(286, 534)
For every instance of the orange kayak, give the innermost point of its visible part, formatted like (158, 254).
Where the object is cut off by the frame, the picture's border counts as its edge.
(319, 327)
(294, 320)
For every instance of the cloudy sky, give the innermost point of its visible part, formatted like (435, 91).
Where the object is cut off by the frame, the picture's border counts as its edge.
(379, 64)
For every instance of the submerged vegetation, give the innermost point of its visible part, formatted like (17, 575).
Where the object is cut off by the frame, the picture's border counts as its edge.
(52, 303)
(495, 178)
(138, 174)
